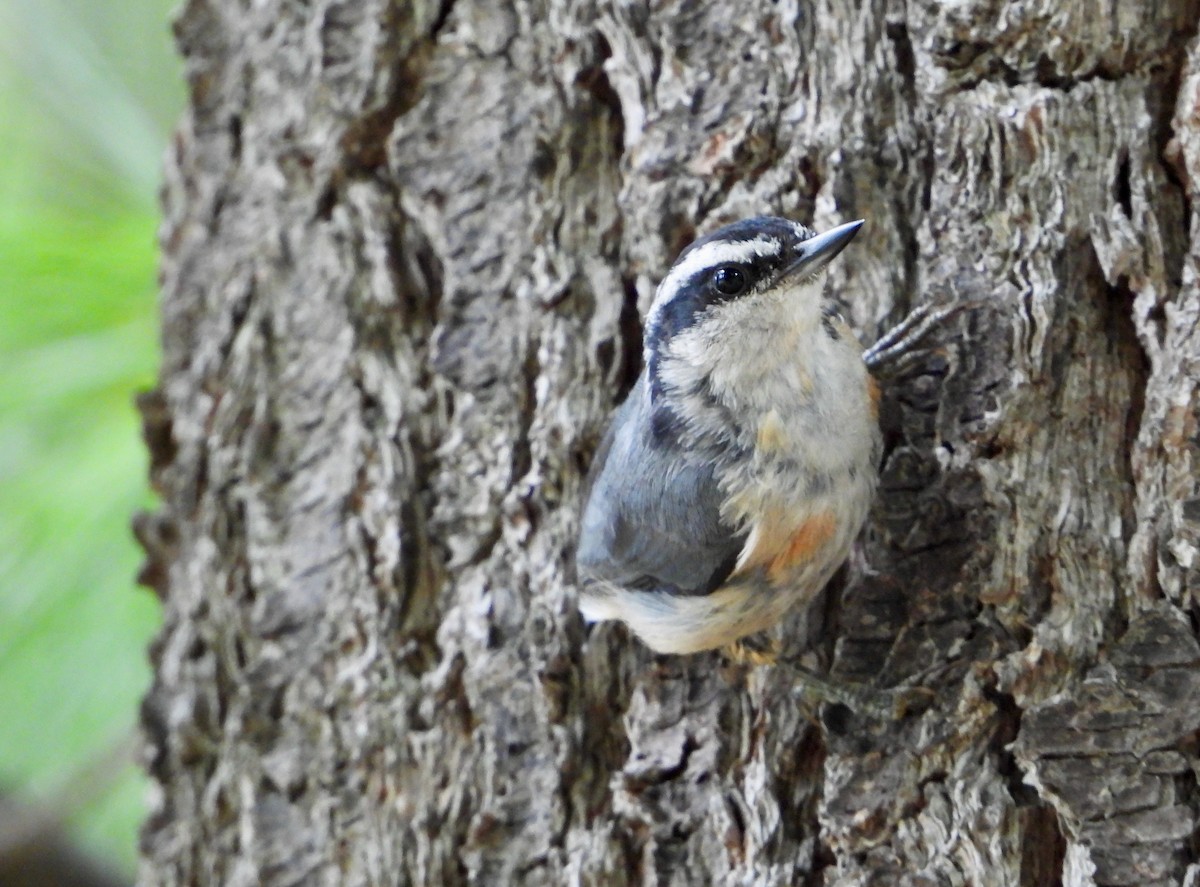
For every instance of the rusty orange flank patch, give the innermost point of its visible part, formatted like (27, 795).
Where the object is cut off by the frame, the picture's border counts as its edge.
(805, 543)
(873, 395)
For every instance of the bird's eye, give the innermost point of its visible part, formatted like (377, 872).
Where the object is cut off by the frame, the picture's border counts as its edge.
(729, 280)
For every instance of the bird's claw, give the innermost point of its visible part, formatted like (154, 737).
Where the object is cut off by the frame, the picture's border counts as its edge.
(903, 339)
(884, 704)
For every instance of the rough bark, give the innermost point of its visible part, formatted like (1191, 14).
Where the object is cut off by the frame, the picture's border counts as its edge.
(405, 249)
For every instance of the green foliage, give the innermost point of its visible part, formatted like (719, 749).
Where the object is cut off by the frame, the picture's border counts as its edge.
(87, 93)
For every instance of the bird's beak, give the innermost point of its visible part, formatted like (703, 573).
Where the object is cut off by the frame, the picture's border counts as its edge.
(815, 253)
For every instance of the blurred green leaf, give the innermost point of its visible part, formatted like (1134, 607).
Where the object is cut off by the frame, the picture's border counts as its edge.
(87, 95)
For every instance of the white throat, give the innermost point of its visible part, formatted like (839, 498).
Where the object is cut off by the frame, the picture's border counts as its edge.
(751, 352)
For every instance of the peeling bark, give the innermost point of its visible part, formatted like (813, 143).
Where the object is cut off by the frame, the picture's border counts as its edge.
(405, 250)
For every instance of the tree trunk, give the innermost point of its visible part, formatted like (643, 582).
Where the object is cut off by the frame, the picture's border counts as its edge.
(405, 251)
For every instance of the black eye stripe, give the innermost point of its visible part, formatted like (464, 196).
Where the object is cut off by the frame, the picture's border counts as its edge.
(691, 297)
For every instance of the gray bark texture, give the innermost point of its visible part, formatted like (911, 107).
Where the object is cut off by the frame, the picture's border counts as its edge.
(405, 249)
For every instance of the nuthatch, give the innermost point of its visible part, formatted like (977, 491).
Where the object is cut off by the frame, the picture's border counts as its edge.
(735, 477)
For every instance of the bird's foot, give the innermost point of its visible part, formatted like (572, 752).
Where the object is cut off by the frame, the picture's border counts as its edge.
(884, 704)
(896, 348)
(753, 650)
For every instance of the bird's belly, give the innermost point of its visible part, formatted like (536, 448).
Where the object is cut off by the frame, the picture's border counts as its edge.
(787, 560)
(801, 498)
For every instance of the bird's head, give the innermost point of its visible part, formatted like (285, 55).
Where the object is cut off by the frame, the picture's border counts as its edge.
(734, 297)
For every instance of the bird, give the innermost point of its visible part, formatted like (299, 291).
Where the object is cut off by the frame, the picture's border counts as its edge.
(736, 475)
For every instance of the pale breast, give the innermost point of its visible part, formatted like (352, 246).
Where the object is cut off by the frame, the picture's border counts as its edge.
(804, 494)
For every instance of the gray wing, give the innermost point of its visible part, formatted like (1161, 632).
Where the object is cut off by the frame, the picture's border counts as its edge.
(652, 518)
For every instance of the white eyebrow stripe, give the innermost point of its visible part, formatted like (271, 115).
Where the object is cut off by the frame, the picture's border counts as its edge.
(710, 255)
